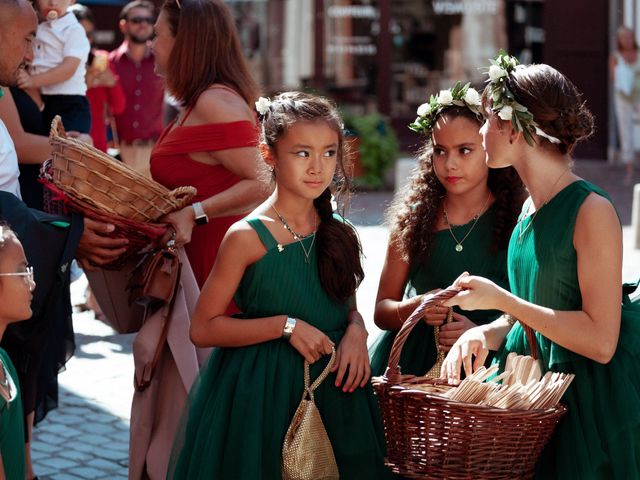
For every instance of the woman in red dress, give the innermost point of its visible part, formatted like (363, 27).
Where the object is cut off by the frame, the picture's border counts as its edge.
(212, 144)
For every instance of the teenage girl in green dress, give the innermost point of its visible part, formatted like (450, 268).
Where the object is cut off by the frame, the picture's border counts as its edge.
(16, 285)
(456, 215)
(565, 262)
(292, 267)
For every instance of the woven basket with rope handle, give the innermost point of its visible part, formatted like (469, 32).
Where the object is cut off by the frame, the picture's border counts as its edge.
(430, 436)
(101, 182)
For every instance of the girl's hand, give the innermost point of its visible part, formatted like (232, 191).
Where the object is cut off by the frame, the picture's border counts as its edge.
(436, 315)
(182, 222)
(450, 332)
(352, 354)
(471, 343)
(310, 342)
(478, 294)
(24, 79)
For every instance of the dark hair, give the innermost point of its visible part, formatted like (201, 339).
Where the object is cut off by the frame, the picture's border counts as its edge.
(413, 215)
(553, 100)
(82, 13)
(207, 50)
(137, 4)
(337, 242)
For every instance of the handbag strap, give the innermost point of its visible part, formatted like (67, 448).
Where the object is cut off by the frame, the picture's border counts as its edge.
(141, 385)
(308, 390)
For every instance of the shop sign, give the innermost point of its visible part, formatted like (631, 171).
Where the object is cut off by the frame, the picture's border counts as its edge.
(466, 7)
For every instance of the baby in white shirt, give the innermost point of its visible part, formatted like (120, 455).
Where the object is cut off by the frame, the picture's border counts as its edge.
(61, 50)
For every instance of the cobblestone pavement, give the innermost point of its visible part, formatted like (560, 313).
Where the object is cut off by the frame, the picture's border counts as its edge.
(87, 436)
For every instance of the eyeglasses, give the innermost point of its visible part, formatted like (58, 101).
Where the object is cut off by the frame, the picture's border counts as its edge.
(28, 274)
(140, 20)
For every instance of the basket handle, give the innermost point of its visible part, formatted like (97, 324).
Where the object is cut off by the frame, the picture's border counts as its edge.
(182, 196)
(393, 370)
(57, 129)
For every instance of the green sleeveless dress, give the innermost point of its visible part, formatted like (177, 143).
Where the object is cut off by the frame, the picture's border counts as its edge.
(12, 425)
(440, 270)
(599, 437)
(242, 404)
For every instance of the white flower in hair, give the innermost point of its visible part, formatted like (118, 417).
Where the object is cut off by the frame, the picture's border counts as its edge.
(262, 105)
(445, 97)
(506, 112)
(496, 72)
(424, 109)
(472, 97)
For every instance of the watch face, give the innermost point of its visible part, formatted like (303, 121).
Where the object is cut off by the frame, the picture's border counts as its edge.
(201, 220)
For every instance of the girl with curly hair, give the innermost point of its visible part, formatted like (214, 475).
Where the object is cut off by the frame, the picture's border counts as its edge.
(455, 215)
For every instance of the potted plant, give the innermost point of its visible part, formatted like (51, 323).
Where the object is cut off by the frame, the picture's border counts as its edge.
(373, 147)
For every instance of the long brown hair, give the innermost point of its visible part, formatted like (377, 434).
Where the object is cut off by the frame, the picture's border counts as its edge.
(338, 245)
(413, 215)
(206, 51)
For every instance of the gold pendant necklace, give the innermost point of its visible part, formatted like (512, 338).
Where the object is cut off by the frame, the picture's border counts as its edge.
(297, 237)
(475, 219)
(522, 231)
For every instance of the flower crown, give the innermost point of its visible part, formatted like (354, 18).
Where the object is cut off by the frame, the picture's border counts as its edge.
(504, 102)
(460, 96)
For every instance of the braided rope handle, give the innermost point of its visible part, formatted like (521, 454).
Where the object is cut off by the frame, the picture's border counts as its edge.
(182, 196)
(434, 372)
(57, 129)
(308, 390)
(393, 373)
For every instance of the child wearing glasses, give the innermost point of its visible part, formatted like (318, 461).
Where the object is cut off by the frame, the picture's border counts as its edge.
(58, 70)
(16, 287)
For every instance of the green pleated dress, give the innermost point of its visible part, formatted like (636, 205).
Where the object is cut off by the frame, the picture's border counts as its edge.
(242, 404)
(440, 270)
(599, 437)
(12, 425)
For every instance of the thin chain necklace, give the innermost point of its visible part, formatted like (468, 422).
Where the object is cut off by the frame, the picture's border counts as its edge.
(296, 236)
(521, 231)
(476, 217)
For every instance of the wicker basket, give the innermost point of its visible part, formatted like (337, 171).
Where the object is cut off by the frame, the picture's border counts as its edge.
(106, 185)
(432, 437)
(139, 234)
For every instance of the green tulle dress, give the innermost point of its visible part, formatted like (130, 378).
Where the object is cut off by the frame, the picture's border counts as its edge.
(440, 270)
(242, 404)
(12, 425)
(599, 437)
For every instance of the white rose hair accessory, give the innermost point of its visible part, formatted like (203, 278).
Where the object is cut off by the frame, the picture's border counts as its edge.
(262, 106)
(458, 96)
(504, 103)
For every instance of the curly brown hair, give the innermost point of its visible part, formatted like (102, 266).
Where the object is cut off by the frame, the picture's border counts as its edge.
(413, 214)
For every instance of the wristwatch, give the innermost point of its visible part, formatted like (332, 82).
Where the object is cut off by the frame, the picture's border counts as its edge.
(289, 325)
(201, 216)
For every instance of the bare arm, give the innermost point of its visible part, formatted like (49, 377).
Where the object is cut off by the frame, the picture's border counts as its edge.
(58, 74)
(30, 148)
(593, 331)
(391, 310)
(210, 326)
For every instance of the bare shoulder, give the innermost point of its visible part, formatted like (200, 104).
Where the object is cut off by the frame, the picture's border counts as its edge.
(219, 105)
(242, 243)
(597, 221)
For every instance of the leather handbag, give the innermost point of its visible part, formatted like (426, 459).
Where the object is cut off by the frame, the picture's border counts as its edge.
(153, 280)
(307, 453)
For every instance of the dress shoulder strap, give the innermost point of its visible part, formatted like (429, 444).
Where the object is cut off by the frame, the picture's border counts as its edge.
(263, 232)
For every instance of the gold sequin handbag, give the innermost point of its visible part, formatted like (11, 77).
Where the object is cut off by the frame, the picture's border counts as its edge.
(307, 453)
(434, 372)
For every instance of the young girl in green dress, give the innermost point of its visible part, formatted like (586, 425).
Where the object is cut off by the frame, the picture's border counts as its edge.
(565, 262)
(456, 215)
(292, 267)
(16, 285)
